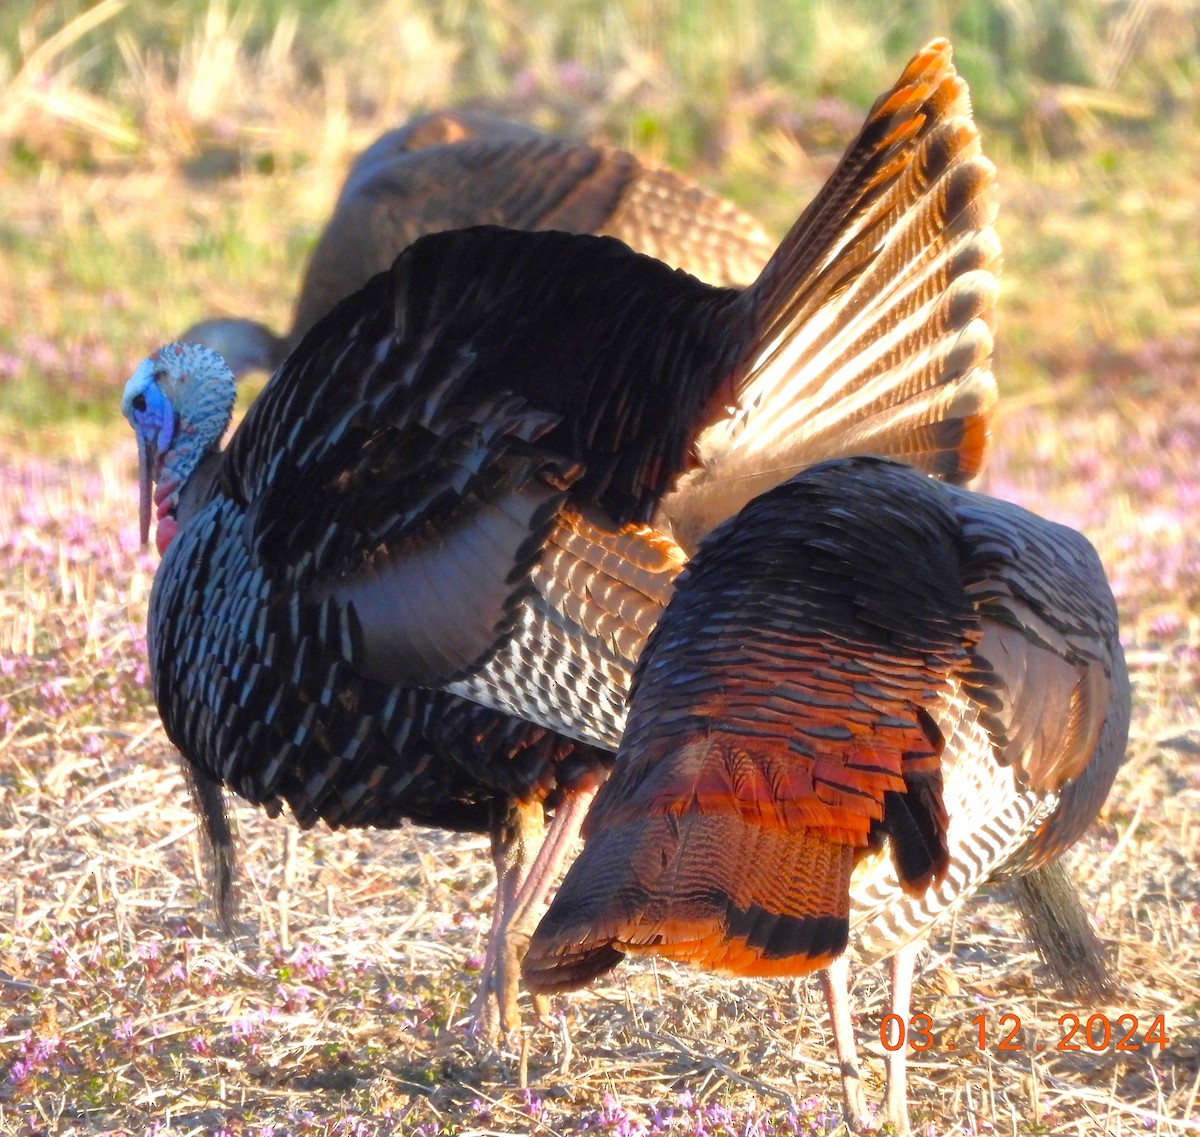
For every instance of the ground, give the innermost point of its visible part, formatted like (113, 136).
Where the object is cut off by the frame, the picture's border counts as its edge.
(338, 1007)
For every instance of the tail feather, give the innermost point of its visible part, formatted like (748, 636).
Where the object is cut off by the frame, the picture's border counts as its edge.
(948, 375)
(873, 318)
(928, 90)
(705, 889)
(900, 262)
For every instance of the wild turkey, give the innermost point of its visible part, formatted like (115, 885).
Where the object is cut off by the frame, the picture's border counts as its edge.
(447, 482)
(453, 169)
(444, 171)
(434, 759)
(871, 692)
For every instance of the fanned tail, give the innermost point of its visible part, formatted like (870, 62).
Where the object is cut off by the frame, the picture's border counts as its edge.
(873, 318)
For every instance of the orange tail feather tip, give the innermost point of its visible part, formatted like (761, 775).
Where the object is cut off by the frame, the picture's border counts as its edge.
(848, 356)
(710, 891)
(975, 446)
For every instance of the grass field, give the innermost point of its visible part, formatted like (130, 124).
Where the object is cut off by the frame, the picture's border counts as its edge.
(162, 164)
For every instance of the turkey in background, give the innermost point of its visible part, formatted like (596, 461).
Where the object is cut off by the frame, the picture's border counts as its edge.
(454, 169)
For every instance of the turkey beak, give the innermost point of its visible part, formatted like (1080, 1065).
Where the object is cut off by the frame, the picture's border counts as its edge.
(145, 485)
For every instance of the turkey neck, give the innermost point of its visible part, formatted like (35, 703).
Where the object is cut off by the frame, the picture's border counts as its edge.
(198, 488)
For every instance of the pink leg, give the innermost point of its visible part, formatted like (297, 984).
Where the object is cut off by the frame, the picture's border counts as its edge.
(560, 837)
(515, 833)
(522, 881)
(527, 906)
(835, 981)
(895, 1098)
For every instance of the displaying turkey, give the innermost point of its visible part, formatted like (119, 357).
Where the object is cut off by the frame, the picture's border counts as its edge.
(442, 171)
(448, 483)
(870, 692)
(454, 169)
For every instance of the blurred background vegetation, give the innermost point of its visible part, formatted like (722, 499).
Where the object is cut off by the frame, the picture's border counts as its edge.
(160, 162)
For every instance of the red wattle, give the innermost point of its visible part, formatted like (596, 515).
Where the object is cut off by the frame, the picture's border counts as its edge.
(165, 534)
(163, 491)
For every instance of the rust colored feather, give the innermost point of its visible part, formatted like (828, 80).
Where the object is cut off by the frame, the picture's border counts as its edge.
(853, 648)
(704, 889)
(777, 711)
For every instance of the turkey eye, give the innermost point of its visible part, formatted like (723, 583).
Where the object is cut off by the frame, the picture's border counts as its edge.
(139, 402)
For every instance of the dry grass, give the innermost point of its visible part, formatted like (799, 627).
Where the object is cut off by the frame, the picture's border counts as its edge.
(336, 1010)
(123, 1010)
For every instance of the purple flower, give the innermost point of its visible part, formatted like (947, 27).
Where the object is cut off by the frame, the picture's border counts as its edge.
(314, 967)
(1166, 623)
(294, 999)
(245, 1028)
(176, 973)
